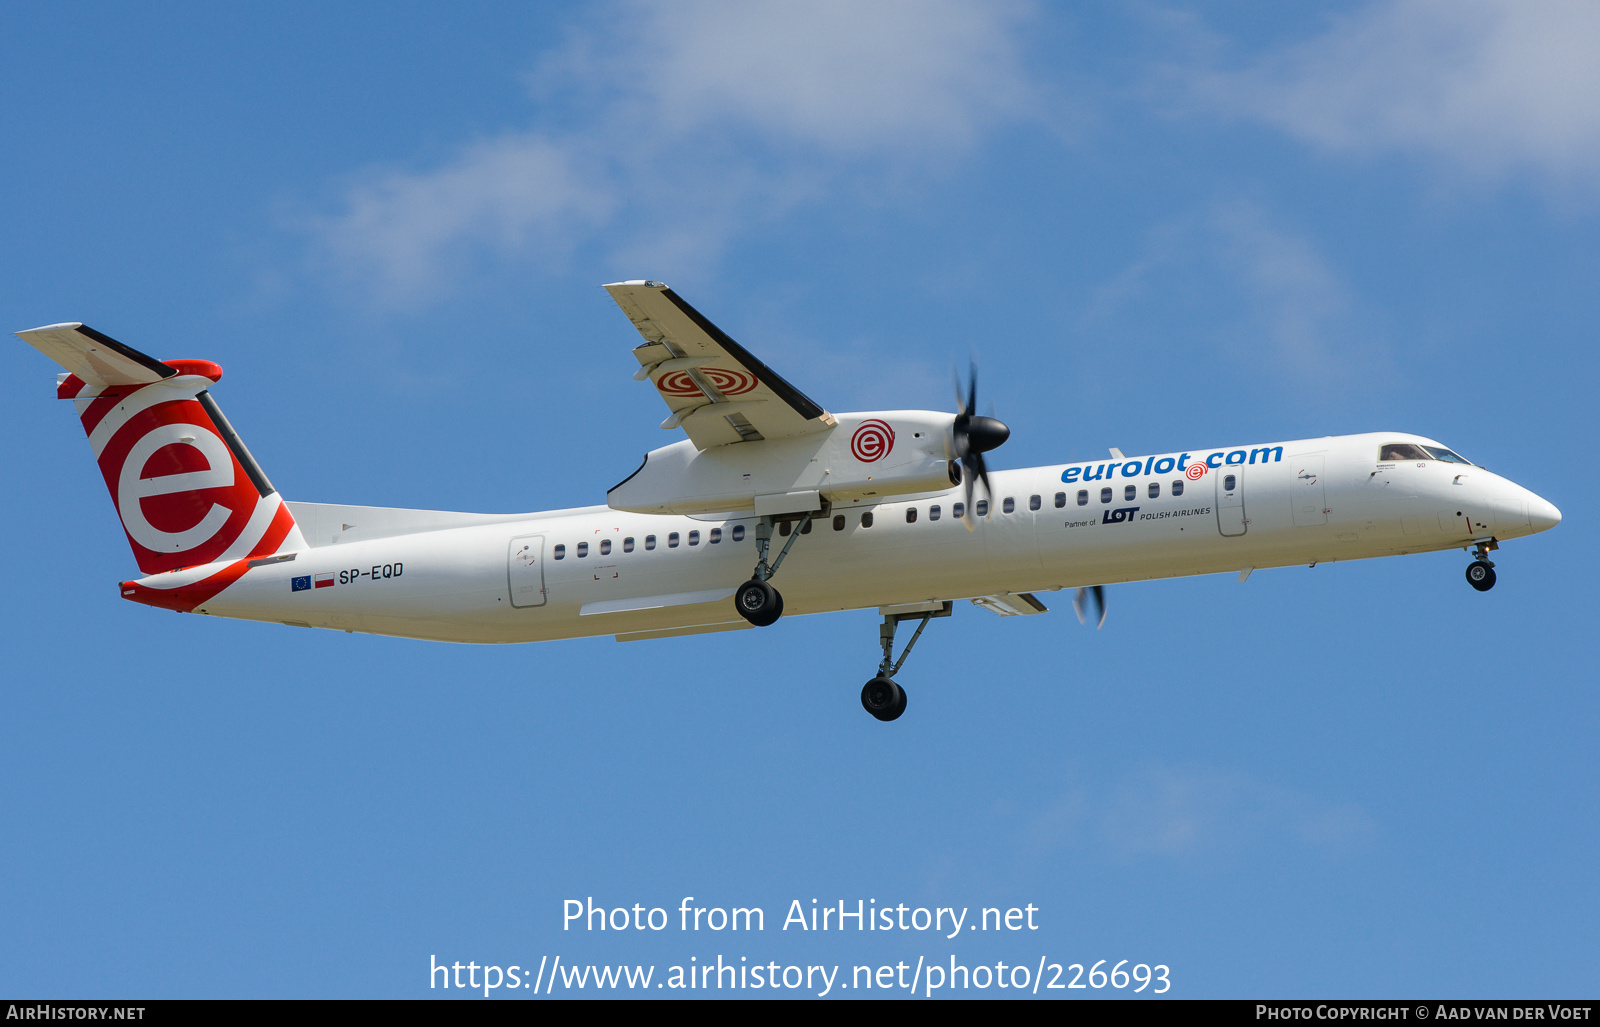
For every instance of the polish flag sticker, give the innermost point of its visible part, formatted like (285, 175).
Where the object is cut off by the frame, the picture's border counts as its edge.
(325, 580)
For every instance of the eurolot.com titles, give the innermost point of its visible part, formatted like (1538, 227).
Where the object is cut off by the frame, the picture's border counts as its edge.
(858, 916)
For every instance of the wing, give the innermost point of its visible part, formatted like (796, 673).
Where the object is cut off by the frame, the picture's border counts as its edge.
(718, 393)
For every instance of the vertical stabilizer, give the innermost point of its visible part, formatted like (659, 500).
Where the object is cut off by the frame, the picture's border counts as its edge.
(189, 493)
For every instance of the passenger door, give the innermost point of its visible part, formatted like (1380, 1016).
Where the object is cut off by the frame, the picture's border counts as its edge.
(525, 570)
(1230, 500)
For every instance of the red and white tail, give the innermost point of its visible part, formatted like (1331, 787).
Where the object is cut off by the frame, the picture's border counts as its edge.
(189, 493)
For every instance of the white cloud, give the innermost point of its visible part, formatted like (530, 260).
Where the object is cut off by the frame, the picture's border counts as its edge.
(1266, 292)
(699, 118)
(398, 229)
(1190, 813)
(1487, 85)
(1174, 813)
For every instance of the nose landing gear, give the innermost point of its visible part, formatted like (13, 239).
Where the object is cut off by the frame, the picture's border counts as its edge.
(1480, 572)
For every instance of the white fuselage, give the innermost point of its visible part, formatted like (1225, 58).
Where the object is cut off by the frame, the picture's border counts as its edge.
(523, 578)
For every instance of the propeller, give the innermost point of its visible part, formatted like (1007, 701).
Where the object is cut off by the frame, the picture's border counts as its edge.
(1097, 593)
(974, 435)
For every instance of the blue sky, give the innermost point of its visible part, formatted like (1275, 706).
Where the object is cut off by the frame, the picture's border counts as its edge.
(1159, 226)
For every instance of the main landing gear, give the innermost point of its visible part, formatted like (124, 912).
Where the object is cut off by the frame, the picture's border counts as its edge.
(881, 697)
(756, 600)
(1480, 572)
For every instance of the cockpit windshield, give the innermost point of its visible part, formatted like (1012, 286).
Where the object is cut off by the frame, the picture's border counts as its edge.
(1401, 451)
(1396, 451)
(1440, 453)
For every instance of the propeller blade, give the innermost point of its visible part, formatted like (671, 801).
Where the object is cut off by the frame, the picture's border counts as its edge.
(1095, 595)
(981, 472)
(972, 436)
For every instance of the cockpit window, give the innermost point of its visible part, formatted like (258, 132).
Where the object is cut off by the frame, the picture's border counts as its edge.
(1440, 453)
(1401, 451)
(1406, 451)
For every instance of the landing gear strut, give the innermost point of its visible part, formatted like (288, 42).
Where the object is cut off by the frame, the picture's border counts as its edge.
(1480, 572)
(756, 600)
(881, 697)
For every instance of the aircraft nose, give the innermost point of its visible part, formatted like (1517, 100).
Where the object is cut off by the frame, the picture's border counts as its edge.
(1542, 514)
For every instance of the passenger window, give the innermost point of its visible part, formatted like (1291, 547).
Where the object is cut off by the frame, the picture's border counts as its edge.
(1061, 500)
(716, 536)
(649, 542)
(583, 550)
(1083, 497)
(1155, 490)
(1105, 495)
(694, 538)
(627, 545)
(958, 510)
(1034, 502)
(911, 515)
(1008, 504)
(866, 519)
(1177, 487)
(1229, 482)
(933, 513)
(981, 508)
(672, 540)
(605, 547)
(738, 533)
(561, 552)
(1129, 493)
(838, 522)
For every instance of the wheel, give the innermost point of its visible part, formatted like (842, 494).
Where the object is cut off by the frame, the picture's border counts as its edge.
(1480, 575)
(758, 602)
(884, 699)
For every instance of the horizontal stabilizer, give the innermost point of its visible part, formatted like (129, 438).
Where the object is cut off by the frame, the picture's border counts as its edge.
(98, 360)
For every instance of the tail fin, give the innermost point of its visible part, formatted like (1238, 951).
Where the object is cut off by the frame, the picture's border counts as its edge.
(188, 492)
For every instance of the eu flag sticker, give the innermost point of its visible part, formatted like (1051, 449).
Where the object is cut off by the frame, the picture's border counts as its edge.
(300, 584)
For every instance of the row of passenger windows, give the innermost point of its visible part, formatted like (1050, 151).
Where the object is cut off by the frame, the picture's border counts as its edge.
(957, 510)
(713, 536)
(1131, 492)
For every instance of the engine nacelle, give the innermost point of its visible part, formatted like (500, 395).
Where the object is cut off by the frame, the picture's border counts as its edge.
(885, 453)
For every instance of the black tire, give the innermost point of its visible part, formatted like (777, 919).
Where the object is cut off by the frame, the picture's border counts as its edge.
(882, 698)
(1480, 575)
(758, 602)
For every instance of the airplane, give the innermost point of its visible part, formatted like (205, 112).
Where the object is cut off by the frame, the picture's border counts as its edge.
(857, 511)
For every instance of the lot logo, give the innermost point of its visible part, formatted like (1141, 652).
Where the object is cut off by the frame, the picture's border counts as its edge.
(1118, 515)
(1195, 472)
(872, 441)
